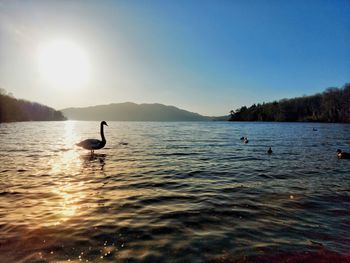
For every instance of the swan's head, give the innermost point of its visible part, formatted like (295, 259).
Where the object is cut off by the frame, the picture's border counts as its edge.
(104, 123)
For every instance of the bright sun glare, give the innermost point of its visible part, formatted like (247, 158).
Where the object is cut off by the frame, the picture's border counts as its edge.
(63, 63)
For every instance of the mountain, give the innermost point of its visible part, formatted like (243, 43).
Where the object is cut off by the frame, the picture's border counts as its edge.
(12, 109)
(332, 105)
(129, 111)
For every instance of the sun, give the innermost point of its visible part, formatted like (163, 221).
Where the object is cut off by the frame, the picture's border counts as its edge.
(63, 63)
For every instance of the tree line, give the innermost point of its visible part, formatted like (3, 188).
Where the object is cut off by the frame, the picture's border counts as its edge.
(332, 105)
(12, 109)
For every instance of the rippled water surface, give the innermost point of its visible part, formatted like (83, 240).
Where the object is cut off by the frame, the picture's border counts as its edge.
(178, 192)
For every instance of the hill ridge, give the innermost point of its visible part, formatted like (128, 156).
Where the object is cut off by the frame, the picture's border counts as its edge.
(130, 111)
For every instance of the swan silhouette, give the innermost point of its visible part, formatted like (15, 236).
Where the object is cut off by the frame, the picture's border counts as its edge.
(94, 144)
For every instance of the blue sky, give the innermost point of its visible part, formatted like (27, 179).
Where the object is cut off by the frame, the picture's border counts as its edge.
(204, 56)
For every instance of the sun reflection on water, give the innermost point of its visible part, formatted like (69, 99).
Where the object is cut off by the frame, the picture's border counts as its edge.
(66, 187)
(68, 201)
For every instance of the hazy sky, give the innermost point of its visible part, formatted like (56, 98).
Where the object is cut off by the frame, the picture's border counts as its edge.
(203, 56)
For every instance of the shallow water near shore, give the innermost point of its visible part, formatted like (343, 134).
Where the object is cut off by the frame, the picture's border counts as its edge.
(172, 191)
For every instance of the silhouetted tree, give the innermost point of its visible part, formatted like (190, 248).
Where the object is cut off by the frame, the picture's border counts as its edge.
(232, 113)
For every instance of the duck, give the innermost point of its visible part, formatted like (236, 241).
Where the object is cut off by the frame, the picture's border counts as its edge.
(269, 151)
(343, 155)
(246, 140)
(314, 129)
(94, 144)
(242, 138)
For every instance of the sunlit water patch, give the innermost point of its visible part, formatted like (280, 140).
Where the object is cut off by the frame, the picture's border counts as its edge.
(180, 192)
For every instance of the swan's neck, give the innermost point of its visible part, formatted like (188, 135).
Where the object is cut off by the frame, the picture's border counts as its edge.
(102, 133)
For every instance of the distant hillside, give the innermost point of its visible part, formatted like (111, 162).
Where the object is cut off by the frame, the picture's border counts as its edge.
(221, 118)
(12, 109)
(333, 105)
(132, 112)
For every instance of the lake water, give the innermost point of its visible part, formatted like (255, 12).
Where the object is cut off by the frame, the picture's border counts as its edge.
(177, 192)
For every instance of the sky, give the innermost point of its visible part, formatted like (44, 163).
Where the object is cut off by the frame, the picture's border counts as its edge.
(204, 56)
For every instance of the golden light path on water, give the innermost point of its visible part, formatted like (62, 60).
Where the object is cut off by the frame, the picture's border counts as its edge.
(68, 191)
(72, 181)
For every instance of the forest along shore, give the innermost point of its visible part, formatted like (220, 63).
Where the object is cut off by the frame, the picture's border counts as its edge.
(332, 105)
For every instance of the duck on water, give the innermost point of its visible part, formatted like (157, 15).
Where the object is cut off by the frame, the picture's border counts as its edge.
(269, 151)
(343, 155)
(94, 144)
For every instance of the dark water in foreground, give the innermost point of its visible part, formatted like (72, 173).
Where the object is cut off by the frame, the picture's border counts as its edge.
(178, 192)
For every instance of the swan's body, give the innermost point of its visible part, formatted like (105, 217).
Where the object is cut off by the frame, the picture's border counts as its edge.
(343, 155)
(94, 144)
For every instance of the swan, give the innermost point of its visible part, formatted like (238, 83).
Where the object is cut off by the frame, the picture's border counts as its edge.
(94, 144)
(343, 155)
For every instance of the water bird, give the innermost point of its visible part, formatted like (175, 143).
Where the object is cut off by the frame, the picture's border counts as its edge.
(242, 138)
(94, 144)
(314, 129)
(269, 151)
(246, 140)
(123, 143)
(343, 155)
